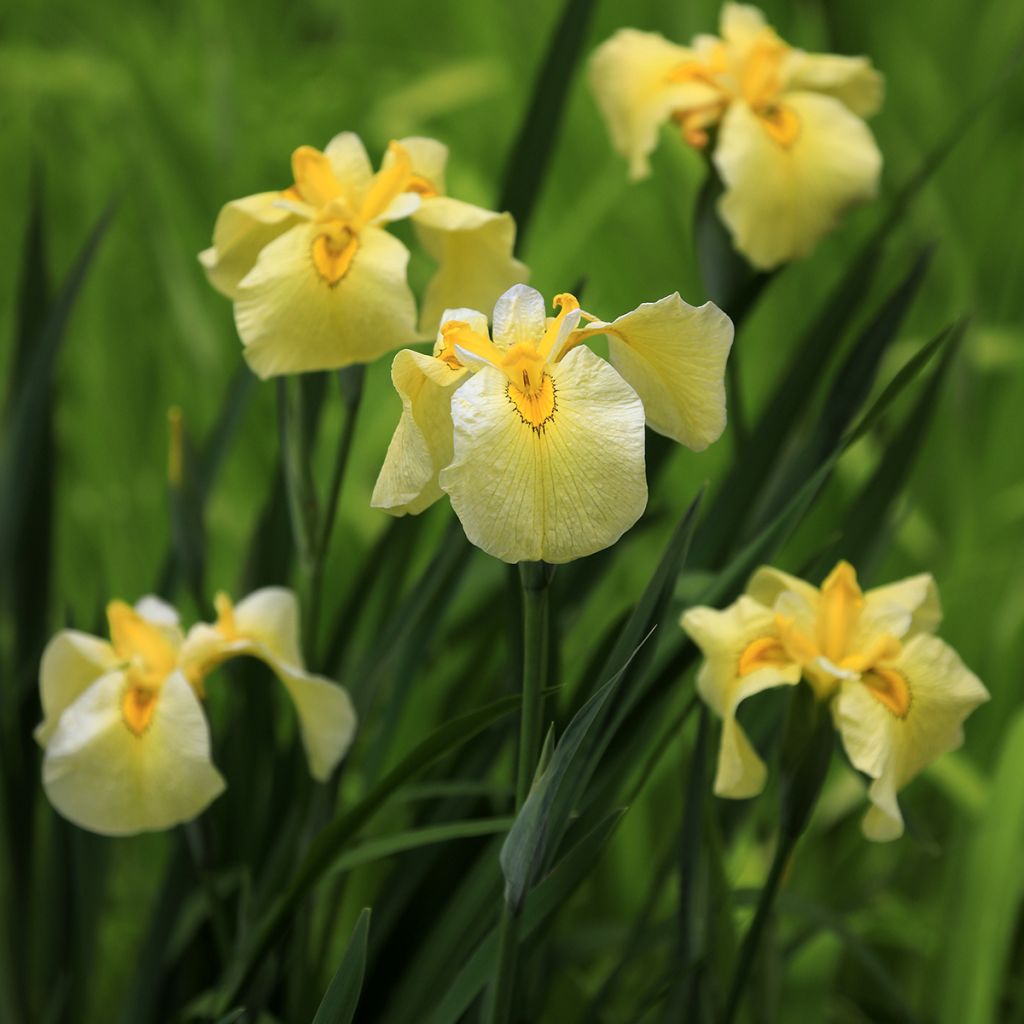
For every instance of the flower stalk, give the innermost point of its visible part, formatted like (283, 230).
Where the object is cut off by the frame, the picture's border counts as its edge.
(535, 579)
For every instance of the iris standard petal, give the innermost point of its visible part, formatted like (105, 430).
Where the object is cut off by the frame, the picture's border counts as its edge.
(781, 199)
(350, 165)
(903, 609)
(291, 319)
(71, 662)
(723, 637)
(422, 443)
(630, 75)
(473, 250)
(673, 354)
(243, 228)
(520, 316)
(939, 693)
(551, 481)
(101, 775)
(851, 80)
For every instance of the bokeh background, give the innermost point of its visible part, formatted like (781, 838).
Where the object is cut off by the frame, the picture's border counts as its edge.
(173, 109)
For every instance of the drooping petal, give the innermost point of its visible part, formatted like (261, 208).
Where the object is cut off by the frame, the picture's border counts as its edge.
(903, 609)
(630, 75)
(268, 622)
(781, 199)
(71, 662)
(557, 489)
(851, 80)
(940, 692)
(520, 316)
(723, 636)
(674, 355)
(422, 443)
(291, 319)
(243, 228)
(101, 775)
(473, 250)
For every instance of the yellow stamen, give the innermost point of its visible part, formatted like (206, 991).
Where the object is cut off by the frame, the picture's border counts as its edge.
(798, 645)
(333, 250)
(765, 652)
(883, 648)
(137, 708)
(841, 604)
(537, 408)
(459, 333)
(891, 688)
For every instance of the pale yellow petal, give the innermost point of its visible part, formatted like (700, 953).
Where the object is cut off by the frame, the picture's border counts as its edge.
(71, 662)
(269, 620)
(780, 200)
(422, 443)
(851, 80)
(903, 609)
(893, 750)
(742, 25)
(630, 78)
(767, 585)
(350, 165)
(674, 355)
(722, 637)
(243, 228)
(291, 319)
(102, 776)
(473, 250)
(555, 492)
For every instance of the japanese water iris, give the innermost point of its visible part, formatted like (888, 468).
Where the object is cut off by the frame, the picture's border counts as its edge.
(898, 695)
(317, 280)
(127, 745)
(538, 441)
(785, 128)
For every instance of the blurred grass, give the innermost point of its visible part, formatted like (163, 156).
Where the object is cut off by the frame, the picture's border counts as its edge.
(175, 109)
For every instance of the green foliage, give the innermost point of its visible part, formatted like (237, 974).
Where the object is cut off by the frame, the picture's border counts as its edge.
(852, 435)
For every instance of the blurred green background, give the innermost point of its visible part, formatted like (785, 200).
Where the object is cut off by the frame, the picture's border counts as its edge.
(174, 109)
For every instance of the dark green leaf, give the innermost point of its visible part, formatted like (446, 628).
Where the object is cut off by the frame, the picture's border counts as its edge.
(541, 904)
(331, 841)
(538, 133)
(342, 997)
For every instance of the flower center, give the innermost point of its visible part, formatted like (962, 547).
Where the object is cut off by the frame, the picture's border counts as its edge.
(333, 250)
(831, 651)
(536, 407)
(149, 658)
(137, 708)
(754, 76)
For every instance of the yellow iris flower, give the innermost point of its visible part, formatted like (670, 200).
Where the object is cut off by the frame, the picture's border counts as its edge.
(898, 695)
(792, 148)
(318, 283)
(127, 746)
(539, 442)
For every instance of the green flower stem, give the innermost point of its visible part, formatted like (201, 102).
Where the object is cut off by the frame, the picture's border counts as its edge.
(806, 750)
(198, 848)
(737, 406)
(535, 578)
(350, 381)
